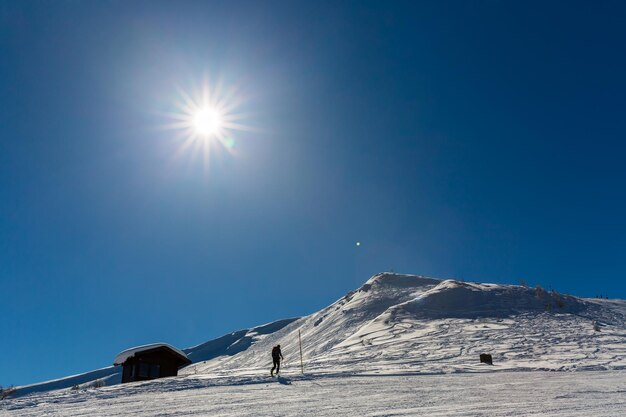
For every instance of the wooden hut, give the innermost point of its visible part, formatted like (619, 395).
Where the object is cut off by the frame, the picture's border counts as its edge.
(153, 361)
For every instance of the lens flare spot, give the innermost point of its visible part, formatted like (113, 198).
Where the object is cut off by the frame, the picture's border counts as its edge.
(229, 142)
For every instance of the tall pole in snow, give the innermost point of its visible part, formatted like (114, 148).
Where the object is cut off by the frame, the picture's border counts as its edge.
(301, 363)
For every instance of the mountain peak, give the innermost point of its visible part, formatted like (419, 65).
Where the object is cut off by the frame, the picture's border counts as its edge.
(396, 280)
(452, 298)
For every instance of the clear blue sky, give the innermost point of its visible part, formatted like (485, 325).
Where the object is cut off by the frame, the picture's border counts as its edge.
(477, 140)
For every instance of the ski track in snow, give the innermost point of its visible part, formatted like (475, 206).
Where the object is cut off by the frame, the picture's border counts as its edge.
(568, 394)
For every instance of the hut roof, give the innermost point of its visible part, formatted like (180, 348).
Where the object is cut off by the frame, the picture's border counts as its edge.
(129, 353)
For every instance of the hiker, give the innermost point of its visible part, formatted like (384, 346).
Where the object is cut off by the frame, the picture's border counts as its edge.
(276, 357)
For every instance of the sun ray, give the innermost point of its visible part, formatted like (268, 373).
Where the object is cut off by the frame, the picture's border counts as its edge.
(206, 121)
(239, 126)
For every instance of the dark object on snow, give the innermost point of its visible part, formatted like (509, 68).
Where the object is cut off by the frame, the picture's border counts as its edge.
(486, 358)
(276, 357)
(150, 362)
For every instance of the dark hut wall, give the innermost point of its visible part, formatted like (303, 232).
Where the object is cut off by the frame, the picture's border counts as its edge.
(150, 365)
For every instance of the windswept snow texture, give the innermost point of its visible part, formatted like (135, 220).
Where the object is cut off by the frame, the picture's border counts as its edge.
(411, 324)
(233, 343)
(555, 394)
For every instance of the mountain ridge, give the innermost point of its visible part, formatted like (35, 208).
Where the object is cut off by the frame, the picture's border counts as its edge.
(396, 323)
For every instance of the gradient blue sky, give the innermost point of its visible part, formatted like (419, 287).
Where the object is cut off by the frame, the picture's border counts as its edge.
(477, 140)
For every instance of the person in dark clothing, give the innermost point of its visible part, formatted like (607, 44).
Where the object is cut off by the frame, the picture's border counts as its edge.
(276, 357)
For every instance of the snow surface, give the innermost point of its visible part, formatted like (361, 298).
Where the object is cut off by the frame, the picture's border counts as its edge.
(566, 394)
(409, 331)
(235, 342)
(110, 375)
(405, 323)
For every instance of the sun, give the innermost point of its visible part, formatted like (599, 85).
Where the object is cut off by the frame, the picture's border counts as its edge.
(207, 121)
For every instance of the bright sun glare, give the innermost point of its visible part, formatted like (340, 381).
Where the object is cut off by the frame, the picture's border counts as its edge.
(206, 120)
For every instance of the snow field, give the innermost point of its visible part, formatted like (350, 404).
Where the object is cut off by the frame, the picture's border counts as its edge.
(567, 394)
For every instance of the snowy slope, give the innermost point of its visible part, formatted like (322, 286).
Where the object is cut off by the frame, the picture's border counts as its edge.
(235, 342)
(224, 346)
(110, 375)
(406, 323)
(410, 324)
(501, 394)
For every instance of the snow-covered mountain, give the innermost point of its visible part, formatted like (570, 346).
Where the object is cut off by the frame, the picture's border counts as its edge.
(403, 324)
(406, 323)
